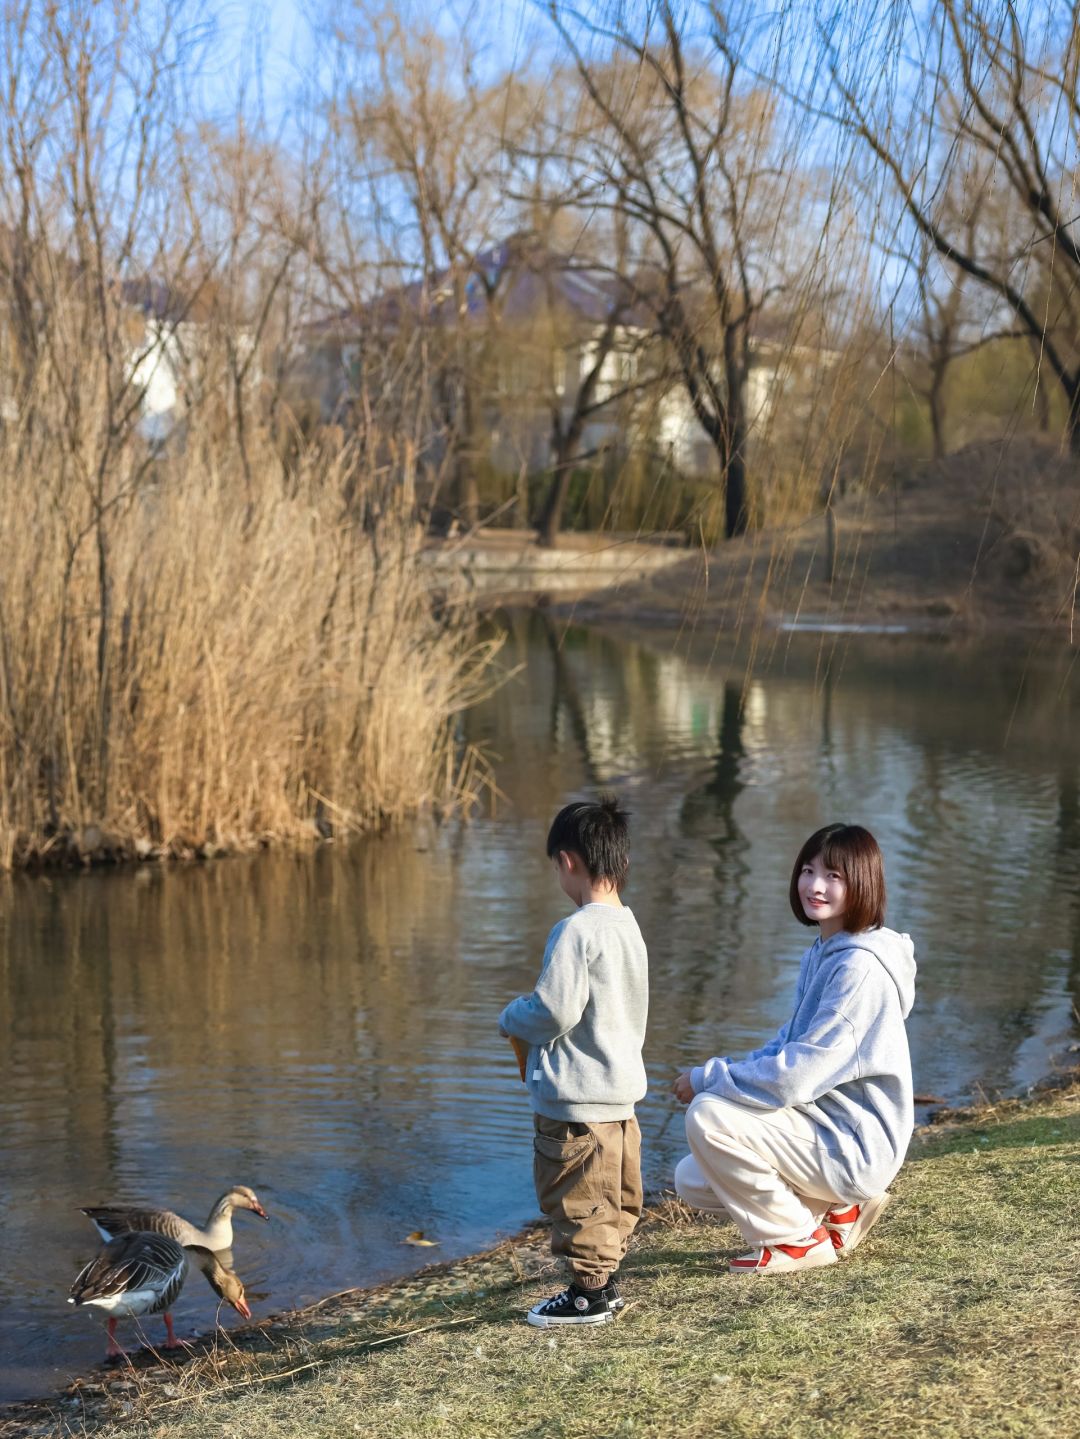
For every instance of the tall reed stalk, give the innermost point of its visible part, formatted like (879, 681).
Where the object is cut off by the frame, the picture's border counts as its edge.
(265, 664)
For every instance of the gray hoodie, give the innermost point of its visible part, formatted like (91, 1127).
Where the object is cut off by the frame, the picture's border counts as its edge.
(585, 1020)
(842, 1058)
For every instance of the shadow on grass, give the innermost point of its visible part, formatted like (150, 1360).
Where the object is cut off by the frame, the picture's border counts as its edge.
(324, 1355)
(705, 1261)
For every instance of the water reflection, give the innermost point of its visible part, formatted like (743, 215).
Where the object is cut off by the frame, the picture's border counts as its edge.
(955, 756)
(1067, 854)
(322, 1027)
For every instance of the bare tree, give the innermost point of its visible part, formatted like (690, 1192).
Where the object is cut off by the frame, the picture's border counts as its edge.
(950, 322)
(258, 210)
(568, 422)
(601, 364)
(940, 319)
(679, 146)
(427, 141)
(995, 89)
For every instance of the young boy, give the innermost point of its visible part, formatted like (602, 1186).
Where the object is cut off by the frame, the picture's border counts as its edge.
(585, 1025)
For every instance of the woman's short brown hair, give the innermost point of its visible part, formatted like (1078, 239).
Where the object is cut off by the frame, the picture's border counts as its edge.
(854, 854)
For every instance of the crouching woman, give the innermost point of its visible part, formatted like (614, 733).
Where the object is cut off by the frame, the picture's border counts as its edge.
(799, 1141)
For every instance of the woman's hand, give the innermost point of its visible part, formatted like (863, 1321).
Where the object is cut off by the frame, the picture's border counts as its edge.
(682, 1089)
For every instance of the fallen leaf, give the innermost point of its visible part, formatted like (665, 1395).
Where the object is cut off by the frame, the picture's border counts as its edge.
(417, 1238)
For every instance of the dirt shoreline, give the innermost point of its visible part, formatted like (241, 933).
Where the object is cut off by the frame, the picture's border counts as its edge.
(102, 1393)
(122, 1394)
(985, 541)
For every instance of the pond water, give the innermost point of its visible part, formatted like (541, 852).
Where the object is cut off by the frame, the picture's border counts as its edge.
(321, 1027)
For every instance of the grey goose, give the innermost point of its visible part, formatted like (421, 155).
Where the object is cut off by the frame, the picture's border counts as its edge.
(142, 1273)
(216, 1235)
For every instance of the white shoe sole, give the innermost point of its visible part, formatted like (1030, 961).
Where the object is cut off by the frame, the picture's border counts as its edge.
(541, 1321)
(819, 1257)
(869, 1214)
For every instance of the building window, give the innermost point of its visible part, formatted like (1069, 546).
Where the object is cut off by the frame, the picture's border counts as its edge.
(558, 372)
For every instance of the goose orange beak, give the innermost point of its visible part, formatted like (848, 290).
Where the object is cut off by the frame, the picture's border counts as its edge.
(241, 1307)
(260, 1211)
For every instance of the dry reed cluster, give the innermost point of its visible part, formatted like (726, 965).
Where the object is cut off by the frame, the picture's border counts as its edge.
(187, 665)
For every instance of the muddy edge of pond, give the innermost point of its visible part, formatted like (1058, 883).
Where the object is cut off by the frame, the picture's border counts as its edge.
(101, 1395)
(669, 608)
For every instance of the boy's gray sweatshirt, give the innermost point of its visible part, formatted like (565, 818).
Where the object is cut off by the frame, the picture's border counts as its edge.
(585, 1020)
(842, 1058)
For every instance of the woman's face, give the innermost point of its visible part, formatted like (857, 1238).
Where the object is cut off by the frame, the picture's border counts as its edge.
(823, 894)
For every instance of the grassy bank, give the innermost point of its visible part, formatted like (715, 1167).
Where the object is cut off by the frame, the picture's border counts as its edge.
(957, 1318)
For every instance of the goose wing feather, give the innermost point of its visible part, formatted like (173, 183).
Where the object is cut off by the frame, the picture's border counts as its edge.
(111, 1222)
(136, 1262)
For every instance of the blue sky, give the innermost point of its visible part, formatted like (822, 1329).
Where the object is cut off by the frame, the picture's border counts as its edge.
(271, 44)
(263, 44)
(269, 49)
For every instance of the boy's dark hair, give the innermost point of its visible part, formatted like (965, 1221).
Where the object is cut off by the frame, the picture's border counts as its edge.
(599, 832)
(853, 853)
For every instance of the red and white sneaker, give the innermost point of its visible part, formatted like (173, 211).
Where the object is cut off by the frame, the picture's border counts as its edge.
(849, 1227)
(809, 1253)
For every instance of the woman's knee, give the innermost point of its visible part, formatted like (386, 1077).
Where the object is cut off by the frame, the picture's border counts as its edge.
(691, 1185)
(709, 1119)
(700, 1120)
(687, 1177)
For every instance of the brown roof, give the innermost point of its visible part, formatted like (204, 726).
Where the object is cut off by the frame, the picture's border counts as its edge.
(526, 276)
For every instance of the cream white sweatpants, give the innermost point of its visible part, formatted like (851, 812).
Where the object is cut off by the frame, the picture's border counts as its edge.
(761, 1165)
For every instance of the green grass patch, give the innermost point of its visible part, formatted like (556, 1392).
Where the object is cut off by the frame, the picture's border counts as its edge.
(957, 1317)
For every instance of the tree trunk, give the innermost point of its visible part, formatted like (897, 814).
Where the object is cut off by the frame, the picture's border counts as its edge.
(1072, 418)
(830, 542)
(550, 521)
(936, 399)
(735, 497)
(104, 689)
(241, 439)
(734, 462)
(467, 494)
(564, 444)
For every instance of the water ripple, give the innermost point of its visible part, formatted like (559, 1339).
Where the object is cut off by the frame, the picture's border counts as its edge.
(323, 1028)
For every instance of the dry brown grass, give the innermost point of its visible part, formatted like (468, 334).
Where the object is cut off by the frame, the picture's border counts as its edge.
(266, 663)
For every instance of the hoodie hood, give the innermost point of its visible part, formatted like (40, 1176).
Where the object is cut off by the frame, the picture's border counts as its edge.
(894, 952)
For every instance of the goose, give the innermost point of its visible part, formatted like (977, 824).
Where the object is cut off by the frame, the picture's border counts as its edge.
(216, 1236)
(142, 1273)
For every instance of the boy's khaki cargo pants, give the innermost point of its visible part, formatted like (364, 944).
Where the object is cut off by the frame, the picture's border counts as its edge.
(588, 1182)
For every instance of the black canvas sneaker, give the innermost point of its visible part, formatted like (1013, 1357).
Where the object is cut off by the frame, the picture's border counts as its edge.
(611, 1293)
(574, 1306)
